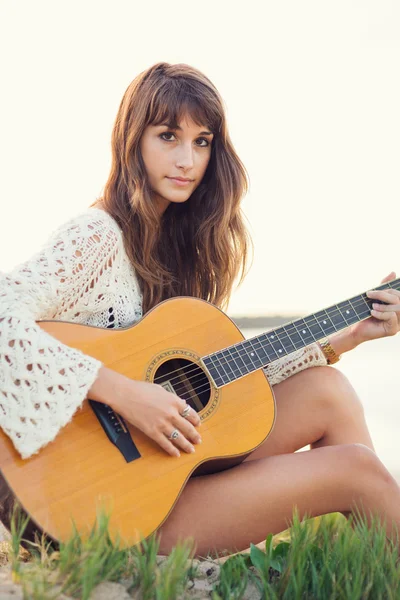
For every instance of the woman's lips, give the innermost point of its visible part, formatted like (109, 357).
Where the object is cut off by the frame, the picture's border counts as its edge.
(179, 181)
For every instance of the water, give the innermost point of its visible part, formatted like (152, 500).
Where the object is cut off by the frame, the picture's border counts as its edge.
(374, 370)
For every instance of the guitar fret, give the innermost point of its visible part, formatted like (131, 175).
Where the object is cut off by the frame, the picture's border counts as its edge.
(282, 343)
(350, 316)
(238, 361)
(249, 355)
(245, 357)
(367, 302)
(336, 319)
(262, 351)
(331, 326)
(228, 365)
(294, 336)
(271, 339)
(394, 284)
(322, 320)
(360, 308)
(213, 370)
(287, 341)
(346, 312)
(254, 355)
(304, 332)
(268, 348)
(249, 349)
(278, 346)
(314, 327)
(223, 374)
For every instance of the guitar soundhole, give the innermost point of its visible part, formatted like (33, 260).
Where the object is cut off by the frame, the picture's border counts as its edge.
(185, 379)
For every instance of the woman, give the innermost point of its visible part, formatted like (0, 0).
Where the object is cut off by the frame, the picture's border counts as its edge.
(169, 223)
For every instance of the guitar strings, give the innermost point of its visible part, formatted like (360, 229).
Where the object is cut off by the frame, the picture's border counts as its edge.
(186, 370)
(190, 368)
(197, 389)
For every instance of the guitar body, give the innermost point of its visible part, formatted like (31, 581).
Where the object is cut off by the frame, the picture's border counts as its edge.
(82, 470)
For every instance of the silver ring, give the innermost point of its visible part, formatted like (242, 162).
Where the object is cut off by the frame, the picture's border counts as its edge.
(174, 435)
(185, 411)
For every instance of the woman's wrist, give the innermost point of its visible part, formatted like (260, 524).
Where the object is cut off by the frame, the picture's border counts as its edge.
(342, 342)
(107, 388)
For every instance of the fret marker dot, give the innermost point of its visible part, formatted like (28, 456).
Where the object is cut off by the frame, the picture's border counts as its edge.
(324, 322)
(304, 331)
(279, 350)
(251, 353)
(272, 337)
(347, 312)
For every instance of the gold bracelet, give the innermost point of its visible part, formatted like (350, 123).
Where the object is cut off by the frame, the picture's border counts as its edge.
(329, 353)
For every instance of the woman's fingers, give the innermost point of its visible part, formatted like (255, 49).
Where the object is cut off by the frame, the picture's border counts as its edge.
(390, 320)
(180, 441)
(384, 316)
(389, 296)
(389, 277)
(386, 308)
(389, 312)
(191, 416)
(188, 430)
(186, 425)
(163, 441)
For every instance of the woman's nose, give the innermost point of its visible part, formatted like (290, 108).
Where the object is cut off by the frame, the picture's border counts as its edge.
(184, 157)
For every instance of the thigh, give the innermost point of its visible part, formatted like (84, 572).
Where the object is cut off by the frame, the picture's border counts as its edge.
(230, 509)
(305, 407)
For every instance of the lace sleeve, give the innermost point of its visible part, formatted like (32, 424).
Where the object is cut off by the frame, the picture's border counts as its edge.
(42, 381)
(311, 356)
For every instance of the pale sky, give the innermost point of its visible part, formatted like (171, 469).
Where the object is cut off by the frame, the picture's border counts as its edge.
(312, 95)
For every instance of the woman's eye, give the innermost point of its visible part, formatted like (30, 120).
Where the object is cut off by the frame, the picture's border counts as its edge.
(207, 143)
(168, 133)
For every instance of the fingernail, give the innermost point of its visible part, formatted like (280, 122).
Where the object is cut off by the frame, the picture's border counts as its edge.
(199, 440)
(178, 453)
(192, 449)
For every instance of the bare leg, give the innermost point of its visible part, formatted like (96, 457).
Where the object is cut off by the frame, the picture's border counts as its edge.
(229, 510)
(319, 407)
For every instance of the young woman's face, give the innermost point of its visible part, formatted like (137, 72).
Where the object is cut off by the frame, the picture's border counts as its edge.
(167, 153)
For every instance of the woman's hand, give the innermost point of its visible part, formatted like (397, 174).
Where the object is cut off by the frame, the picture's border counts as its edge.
(150, 408)
(384, 321)
(385, 318)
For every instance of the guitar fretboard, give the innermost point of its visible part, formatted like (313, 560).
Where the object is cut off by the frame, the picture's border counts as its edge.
(252, 354)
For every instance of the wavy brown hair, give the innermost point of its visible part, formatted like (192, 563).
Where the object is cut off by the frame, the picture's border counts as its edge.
(198, 247)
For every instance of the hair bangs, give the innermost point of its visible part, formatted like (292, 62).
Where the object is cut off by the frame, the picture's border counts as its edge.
(177, 99)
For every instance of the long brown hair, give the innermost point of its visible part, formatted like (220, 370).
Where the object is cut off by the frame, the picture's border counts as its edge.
(198, 247)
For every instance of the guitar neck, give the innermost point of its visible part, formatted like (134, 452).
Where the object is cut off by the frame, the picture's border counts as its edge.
(252, 354)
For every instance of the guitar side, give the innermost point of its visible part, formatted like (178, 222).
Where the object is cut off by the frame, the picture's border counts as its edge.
(82, 470)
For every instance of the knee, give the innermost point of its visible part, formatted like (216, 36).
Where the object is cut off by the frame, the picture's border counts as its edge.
(337, 394)
(364, 469)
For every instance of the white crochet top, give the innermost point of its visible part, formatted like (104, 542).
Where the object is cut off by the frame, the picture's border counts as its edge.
(82, 275)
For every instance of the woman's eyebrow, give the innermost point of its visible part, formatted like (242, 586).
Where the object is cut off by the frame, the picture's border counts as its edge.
(180, 128)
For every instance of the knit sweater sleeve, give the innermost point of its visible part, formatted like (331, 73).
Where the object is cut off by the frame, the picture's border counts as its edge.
(279, 370)
(42, 381)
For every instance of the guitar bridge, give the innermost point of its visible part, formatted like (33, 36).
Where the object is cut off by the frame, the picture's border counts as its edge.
(116, 430)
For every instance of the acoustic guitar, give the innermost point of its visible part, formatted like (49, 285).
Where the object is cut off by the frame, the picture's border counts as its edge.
(191, 348)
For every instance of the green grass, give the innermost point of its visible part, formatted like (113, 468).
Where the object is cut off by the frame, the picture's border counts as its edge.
(326, 558)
